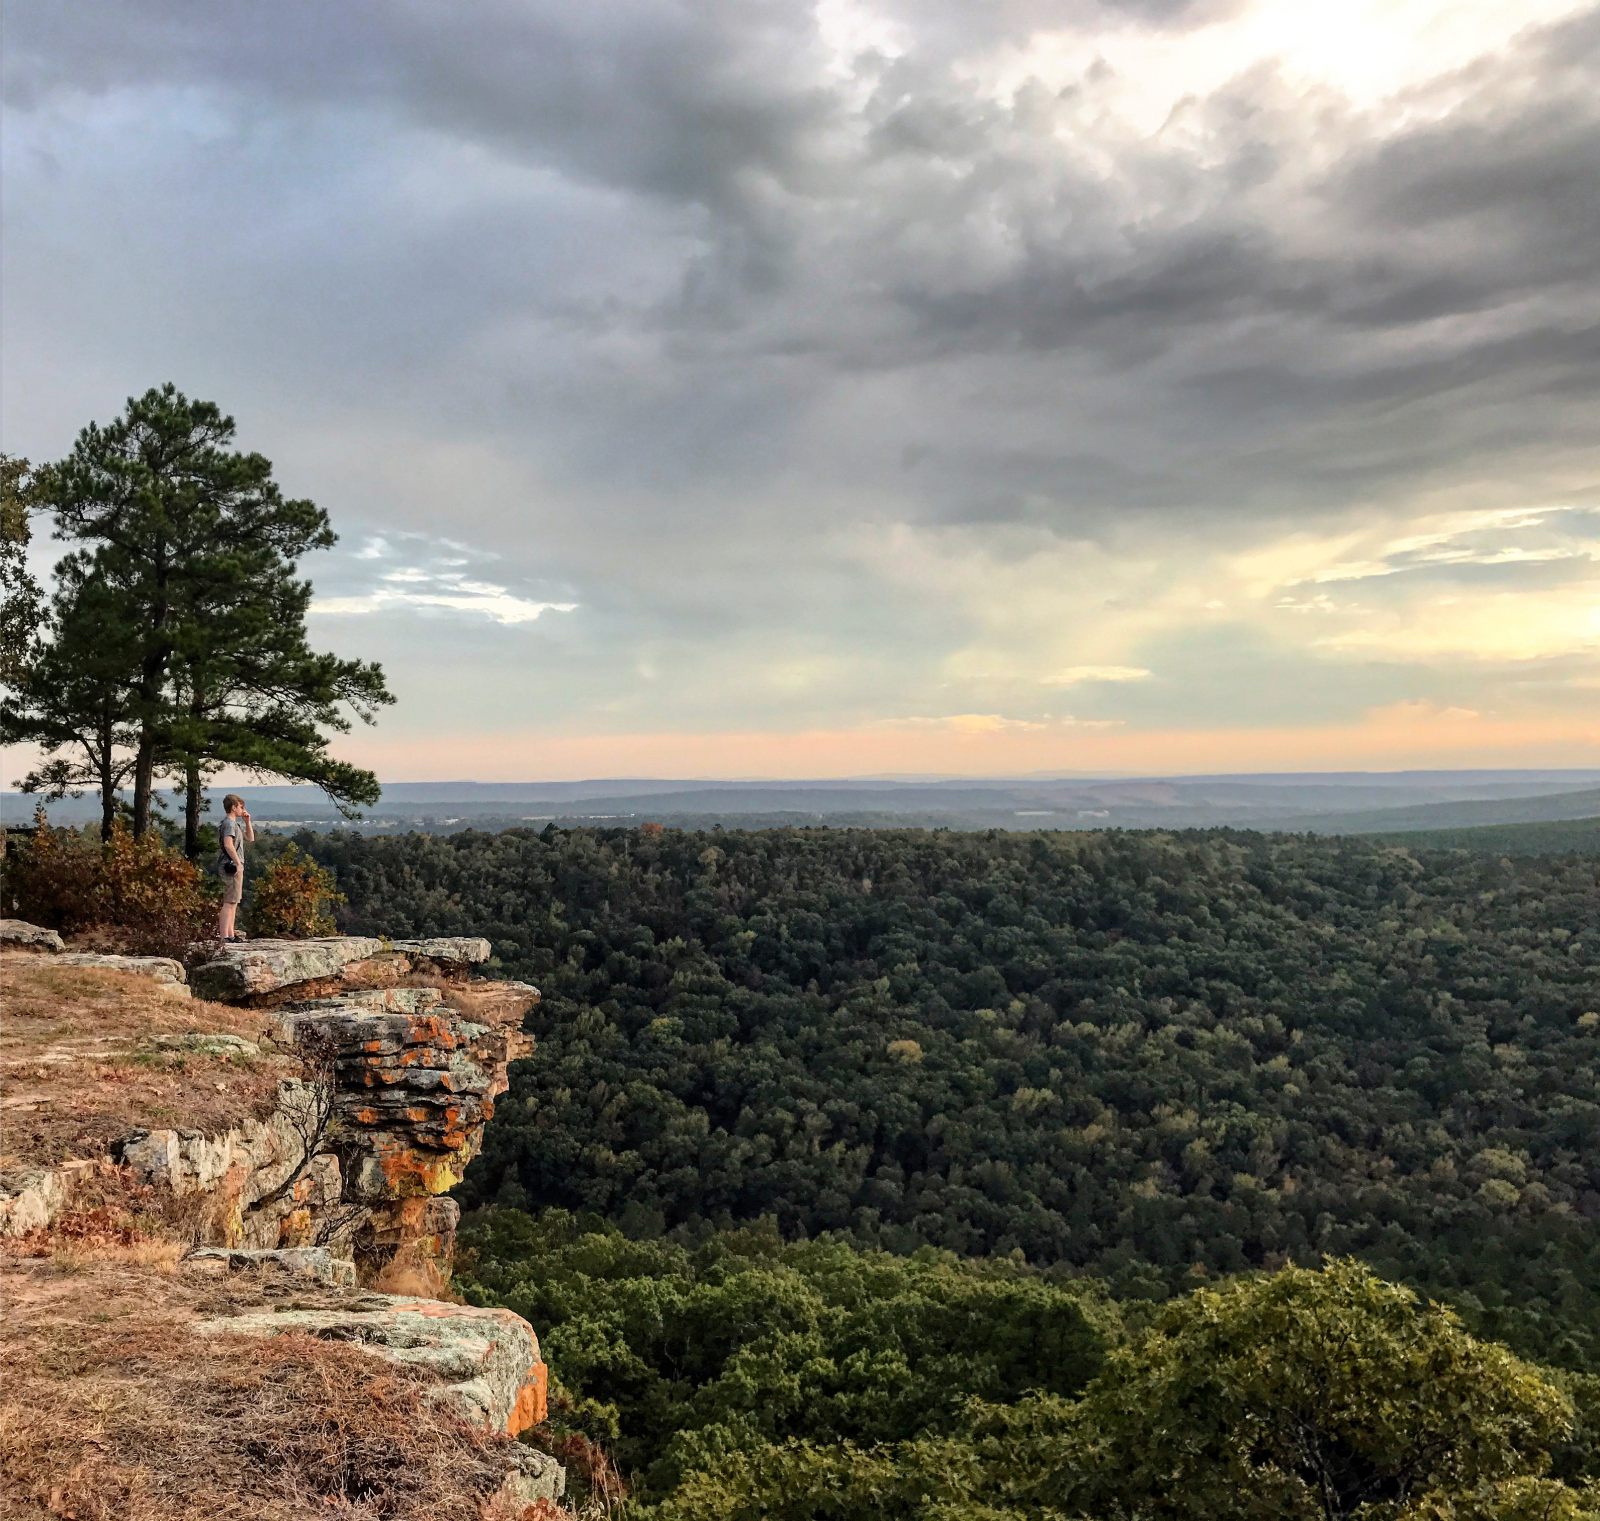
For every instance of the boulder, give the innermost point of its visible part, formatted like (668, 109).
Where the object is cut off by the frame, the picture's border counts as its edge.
(486, 1362)
(32, 1199)
(19, 935)
(277, 971)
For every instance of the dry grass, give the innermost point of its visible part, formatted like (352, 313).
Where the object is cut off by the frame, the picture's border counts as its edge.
(78, 1071)
(410, 1272)
(113, 1218)
(113, 1409)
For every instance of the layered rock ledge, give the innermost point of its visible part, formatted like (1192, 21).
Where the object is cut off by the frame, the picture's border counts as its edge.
(402, 1053)
(265, 973)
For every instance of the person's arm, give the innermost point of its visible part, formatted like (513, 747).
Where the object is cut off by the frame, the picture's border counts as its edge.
(249, 827)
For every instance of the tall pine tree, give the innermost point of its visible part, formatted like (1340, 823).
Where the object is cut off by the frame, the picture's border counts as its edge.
(190, 548)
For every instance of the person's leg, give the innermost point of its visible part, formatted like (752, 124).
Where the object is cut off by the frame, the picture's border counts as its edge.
(232, 892)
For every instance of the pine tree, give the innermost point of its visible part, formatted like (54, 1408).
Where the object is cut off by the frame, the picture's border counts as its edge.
(192, 548)
(73, 698)
(20, 601)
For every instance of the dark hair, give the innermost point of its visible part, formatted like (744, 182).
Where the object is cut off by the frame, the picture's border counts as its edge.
(231, 801)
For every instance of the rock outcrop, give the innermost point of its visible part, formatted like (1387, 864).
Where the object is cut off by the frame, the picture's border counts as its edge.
(400, 1082)
(162, 970)
(265, 973)
(402, 1054)
(19, 935)
(487, 1361)
(166, 973)
(415, 1078)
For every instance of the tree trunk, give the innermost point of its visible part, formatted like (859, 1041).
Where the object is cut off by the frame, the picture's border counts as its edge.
(192, 800)
(152, 677)
(106, 763)
(144, 768)
(108, 801)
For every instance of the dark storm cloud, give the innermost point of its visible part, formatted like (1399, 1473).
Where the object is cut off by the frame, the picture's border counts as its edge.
(652, 297)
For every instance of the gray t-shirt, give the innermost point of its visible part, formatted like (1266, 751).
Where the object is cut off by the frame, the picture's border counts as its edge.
(230, 828)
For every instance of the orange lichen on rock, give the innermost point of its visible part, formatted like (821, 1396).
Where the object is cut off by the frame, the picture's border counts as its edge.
(533, 1401)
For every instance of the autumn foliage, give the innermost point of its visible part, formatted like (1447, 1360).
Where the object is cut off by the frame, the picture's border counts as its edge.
(151, 897)
(294, 898)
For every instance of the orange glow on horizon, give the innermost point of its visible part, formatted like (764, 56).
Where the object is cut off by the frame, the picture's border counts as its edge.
(1399, 737)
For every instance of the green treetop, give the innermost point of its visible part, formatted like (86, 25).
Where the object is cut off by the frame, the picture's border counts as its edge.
(186, 563)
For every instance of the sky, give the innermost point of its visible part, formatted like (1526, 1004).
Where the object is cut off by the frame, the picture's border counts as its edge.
(752, 387)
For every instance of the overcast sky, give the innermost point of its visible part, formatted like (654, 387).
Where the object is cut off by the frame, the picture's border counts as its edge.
(746, 387)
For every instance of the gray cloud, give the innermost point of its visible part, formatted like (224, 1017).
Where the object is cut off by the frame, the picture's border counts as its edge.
(667, 303)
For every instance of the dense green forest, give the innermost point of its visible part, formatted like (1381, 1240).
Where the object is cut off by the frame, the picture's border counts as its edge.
(749, 1379)
(1552, 837)
(1156, 1058)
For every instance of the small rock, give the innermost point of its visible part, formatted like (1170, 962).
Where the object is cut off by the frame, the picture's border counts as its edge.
(534, 1476)
(19, 935)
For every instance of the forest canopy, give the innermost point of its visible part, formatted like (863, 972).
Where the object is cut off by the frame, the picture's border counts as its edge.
(1154, 1058)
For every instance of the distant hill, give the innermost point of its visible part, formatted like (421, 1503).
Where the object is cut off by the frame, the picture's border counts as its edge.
(1323, 802)
(1465, 816)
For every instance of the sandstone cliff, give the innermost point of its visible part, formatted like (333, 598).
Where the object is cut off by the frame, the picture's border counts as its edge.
(375, 1065)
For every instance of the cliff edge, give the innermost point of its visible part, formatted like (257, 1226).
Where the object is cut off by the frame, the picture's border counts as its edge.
(244, 1159)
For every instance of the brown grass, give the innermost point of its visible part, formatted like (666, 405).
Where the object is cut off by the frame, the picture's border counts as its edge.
(410, 1272)
(113, 1409)
(77, 1070)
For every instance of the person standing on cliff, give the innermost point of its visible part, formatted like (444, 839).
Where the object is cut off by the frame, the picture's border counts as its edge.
(232, 833)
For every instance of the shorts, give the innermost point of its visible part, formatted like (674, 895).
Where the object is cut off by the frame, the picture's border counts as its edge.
(232, 887)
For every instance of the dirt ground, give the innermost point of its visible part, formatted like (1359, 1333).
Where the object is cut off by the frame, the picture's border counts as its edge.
(81, 1066)
(113, 1409)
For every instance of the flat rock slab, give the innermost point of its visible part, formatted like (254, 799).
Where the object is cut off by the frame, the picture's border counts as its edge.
(260, 969)
(486, 1362)
(167, 974)
(304, 1261)
(19, 935)
(206, 1043)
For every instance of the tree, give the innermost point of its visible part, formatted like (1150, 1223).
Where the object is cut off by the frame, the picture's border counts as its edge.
(20, 600)
(1314, 1396)
(191, 547)
(73, 698)
(249, 693)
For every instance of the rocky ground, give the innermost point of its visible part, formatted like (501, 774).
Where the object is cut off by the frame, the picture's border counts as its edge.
(223, 1248)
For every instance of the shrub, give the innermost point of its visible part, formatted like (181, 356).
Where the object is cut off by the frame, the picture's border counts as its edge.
(53, 878)
(153, 894)
(146, 893)
(294, 898)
